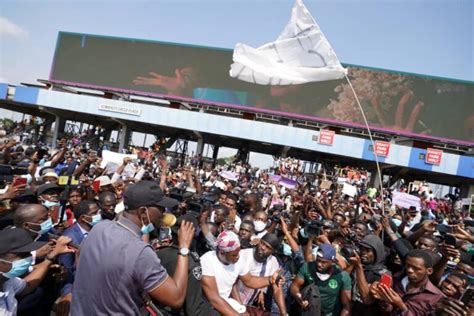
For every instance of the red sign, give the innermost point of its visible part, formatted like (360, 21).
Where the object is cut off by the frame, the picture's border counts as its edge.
(326, 137)
(382, 148)
(433, 156)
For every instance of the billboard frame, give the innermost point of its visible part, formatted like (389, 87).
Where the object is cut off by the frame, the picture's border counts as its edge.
(287, 115)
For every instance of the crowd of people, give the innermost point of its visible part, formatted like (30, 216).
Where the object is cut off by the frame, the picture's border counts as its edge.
(194, 239)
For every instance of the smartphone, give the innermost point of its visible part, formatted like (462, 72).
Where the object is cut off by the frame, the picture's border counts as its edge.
(386, 279)
(450, 240)
(19, 182)
(96, 186)
(467, 297)
(280, 275)
(165, 233)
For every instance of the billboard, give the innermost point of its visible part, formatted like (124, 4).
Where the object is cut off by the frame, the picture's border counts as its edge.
(403, 104)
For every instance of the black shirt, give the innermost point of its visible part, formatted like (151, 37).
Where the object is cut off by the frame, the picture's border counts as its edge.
(193, 303)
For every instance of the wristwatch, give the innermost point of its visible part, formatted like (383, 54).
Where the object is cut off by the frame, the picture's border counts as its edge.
(184, 252)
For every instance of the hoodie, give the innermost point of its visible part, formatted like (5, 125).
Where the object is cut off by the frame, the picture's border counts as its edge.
(372, 274)
(377, 267)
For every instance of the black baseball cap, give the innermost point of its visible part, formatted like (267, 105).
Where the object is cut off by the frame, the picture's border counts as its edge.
(17, 240)
(42, 189)
(146, 193)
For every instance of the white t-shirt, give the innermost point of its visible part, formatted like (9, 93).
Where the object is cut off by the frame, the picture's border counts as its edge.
(225, 275)
(8, 302)
(264, 269)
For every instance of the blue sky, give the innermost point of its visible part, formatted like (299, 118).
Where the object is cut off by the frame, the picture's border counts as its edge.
(432, 37)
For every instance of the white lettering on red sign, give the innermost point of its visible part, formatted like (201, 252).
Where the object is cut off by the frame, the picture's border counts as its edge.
(326, 137)
(382, 148)
(433, 156)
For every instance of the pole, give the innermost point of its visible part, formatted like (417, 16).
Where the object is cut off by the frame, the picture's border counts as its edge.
(371, 141)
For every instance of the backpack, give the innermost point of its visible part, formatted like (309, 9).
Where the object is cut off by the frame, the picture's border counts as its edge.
(311, 293)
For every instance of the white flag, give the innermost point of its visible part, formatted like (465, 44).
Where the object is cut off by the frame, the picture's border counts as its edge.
(299, 55)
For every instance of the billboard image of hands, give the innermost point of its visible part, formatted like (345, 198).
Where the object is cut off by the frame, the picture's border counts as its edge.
(398, 103)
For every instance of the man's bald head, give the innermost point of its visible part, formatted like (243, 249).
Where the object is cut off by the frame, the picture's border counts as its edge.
(29, 213)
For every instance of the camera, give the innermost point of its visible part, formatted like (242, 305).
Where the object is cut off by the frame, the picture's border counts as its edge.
(313, 228)
(348, 251)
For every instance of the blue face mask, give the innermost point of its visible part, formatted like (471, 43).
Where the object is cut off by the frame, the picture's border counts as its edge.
(46, 226)
(287, 250)
(49, 204)
(146, 229)
(396, 221)
(19, 267)
(95, 219)
(303, 233)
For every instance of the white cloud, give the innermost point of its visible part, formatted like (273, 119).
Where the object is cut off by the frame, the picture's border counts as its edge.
(3, 80)
(9, 28)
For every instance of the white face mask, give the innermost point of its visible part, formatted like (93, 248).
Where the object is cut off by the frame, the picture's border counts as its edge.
(259, 226)
(323, 276)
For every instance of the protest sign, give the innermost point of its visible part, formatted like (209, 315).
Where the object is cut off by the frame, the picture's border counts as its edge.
(405, 200)
(112, 160)
(349, 190)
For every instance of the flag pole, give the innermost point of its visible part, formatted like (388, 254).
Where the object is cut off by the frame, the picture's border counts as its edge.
(371, 140)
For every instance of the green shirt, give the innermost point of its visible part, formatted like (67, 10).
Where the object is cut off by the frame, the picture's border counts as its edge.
(371, 192)
(330, 289)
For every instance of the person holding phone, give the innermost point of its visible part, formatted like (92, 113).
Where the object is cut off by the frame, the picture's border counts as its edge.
(412, 292)
(368, 267)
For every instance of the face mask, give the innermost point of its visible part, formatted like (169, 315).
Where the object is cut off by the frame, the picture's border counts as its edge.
(323, 276)
(303, 233)
(19, 267)
(396, 221)
(96, 219)
(146, 229)
(259, 226)
(46, 226)
(49, 204)
(287, 250)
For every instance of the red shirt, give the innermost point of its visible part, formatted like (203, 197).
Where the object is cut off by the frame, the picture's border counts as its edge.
(420, 301)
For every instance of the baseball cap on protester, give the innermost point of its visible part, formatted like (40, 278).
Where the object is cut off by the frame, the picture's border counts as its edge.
(17, 240)
(146, 193)
(27, 197)
(326, 251)
(272, 240)
(42, 189)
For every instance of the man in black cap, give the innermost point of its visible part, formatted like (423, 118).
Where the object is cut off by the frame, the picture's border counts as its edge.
(117, 268)
(262, 263)
(194, 303)
(15, 261)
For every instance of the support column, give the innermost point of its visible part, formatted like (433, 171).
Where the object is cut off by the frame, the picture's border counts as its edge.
(215, 153)
(200, 147)
(59, 125)
(466, 190)
(374, 179)
(124, 138)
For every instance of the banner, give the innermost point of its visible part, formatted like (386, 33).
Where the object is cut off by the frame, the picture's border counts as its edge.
(229, 175)
(405, 200)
